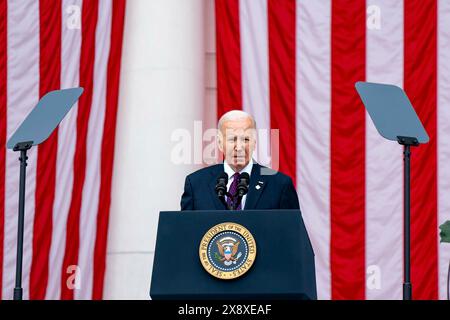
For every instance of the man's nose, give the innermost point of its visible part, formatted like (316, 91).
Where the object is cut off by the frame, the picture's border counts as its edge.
(239, 145)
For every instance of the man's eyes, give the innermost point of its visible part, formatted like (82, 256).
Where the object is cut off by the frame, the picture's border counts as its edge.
(235, 139)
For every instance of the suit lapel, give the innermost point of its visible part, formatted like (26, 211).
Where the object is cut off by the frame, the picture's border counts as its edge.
(212, 186)
(257, 185)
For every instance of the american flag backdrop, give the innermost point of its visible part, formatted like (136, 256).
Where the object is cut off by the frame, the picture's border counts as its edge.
(293, 65)
(47, 45)
(290, 63)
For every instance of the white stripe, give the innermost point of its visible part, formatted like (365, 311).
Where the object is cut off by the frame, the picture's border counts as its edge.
(89, 205)
(23, 95)
(384, 162)
(313, 92)
(443, 145)
(255, 70)
(70, 66)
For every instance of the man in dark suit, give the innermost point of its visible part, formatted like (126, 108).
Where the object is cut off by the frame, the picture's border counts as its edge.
(268, 189)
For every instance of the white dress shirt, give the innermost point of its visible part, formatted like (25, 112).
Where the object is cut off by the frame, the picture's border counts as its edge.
(231, 172)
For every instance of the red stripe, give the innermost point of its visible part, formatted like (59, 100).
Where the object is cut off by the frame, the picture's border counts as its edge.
(281, 28)
(87, 58)
(3, 115)
(50, 71)
(420, 82)
(347, 251)
(228, 46)
(107, 156)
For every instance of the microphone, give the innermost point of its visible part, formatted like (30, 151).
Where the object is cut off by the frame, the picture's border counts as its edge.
(242, 188)
(221, 186)
(244, 182)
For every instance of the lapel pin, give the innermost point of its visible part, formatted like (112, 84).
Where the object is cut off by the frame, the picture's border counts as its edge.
(261, 182)
(258, 187)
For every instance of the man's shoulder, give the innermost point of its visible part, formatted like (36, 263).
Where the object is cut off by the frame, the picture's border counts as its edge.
(207, 171)
(215, 170)
(274, 175)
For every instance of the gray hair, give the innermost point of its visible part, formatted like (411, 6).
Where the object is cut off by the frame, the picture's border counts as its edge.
(235, 115)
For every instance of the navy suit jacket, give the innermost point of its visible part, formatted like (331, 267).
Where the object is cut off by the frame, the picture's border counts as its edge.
(275, 191)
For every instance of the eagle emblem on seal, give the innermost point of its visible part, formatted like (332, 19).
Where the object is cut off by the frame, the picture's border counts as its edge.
(228, 248)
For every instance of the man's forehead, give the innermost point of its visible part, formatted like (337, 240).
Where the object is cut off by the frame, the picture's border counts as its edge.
(238, 131)
(238, 123)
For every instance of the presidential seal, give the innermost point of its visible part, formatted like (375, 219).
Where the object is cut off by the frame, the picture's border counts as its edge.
(227, 250)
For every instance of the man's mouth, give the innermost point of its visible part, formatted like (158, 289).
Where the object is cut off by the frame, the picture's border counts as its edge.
(239, 159)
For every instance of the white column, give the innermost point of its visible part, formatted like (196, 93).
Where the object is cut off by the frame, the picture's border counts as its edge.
(162, 89)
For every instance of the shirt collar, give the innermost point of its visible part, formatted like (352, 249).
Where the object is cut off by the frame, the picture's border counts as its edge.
(230, 172)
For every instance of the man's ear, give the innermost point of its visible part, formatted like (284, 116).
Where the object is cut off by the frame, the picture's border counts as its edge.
(220, 141)
(254, 136)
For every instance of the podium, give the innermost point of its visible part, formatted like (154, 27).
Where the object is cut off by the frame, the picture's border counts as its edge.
(282, 267)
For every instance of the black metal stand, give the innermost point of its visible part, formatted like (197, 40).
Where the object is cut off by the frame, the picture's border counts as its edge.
(225, 203)
(23, 148)
(448, 282)
(237, 202)
(407, 142)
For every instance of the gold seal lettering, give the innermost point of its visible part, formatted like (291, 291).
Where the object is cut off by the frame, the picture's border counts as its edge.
(215, 268)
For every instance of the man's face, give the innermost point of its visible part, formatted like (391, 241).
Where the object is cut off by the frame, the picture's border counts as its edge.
(237, 141)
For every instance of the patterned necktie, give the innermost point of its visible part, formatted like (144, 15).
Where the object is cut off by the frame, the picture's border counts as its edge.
(233, 191)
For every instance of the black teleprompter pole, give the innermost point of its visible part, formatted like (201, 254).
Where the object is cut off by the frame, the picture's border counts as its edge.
(407, 142)
(23, 148)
